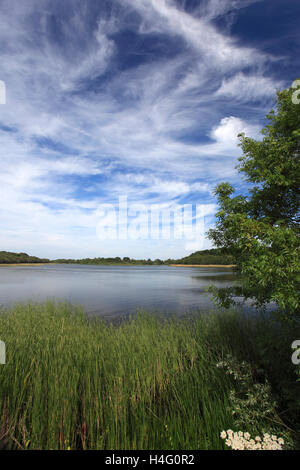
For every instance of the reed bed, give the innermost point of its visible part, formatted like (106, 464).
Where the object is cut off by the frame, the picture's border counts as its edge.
(72, 382)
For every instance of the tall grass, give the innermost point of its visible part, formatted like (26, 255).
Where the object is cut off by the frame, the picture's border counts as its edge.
(146, 383)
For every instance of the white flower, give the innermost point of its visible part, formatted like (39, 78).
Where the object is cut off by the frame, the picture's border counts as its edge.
(241, 441)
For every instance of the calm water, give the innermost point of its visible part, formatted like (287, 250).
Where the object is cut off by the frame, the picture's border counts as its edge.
(114, 290)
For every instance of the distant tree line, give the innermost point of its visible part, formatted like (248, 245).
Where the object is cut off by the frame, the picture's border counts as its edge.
(19, 258)
(213, 256)
(117, 260)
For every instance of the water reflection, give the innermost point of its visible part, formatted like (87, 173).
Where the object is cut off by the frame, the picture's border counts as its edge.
(115, 290)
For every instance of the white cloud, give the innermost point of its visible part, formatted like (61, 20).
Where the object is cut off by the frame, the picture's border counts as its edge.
(248, 88)
(225, 134)
(219, 50)
(138, 133)
(214, 8)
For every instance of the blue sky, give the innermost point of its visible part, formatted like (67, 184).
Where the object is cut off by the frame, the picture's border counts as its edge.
(135, 98)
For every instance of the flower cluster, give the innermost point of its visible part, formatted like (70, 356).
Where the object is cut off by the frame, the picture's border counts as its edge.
(243, 441)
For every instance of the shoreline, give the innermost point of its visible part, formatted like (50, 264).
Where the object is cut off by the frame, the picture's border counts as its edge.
(14, 265)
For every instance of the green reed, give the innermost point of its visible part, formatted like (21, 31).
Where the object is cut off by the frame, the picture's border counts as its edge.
(144, 383)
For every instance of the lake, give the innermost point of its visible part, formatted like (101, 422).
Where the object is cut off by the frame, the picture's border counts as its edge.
(113, 290)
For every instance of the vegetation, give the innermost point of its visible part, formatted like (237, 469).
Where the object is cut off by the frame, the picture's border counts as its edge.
(145, 383)
(213, 256)
(73, 382)
(113, 261)
(19, 258)
(261, 230)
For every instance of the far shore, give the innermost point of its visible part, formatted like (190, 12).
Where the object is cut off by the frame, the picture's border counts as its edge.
(7, 265)
(203, 265)
(14, 265)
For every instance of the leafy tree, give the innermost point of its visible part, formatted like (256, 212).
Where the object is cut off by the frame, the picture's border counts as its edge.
(18, 258)
(261, 229)
(213, 256)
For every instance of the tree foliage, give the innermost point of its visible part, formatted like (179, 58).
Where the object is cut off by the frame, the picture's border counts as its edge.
(261, 229)
(7, 257)
(213, 256)
(206, 257)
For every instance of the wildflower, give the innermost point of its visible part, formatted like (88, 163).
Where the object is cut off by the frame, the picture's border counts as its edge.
(241, 441)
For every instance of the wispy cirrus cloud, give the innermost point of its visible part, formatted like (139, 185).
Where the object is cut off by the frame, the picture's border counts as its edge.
(116, 97)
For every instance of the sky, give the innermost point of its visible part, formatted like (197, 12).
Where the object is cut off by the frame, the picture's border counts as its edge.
(134, 99)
